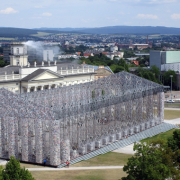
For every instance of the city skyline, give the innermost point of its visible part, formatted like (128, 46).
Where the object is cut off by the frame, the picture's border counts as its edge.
(89, 13)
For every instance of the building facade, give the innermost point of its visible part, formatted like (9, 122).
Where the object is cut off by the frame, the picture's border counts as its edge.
(165, 60)
(22, 76)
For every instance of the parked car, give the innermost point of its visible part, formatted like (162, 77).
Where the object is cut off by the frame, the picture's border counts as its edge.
(170, 101)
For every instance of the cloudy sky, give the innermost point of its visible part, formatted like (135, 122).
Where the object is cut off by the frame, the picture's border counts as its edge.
(89, 13)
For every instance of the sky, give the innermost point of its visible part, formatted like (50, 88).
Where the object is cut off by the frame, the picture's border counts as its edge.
(89, 13)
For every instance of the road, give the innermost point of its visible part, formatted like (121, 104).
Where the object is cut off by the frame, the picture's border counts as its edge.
(75, 168)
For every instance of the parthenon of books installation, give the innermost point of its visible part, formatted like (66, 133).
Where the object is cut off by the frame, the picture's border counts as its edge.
(66, 122)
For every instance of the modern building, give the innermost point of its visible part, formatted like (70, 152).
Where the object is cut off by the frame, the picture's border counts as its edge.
(6, 53)
(165, 60)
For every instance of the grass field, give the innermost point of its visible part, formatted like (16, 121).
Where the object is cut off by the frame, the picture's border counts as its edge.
(40, 34)
(31, 166)
(169, 105)
(112, 174)
(108, 159)
(171, 114)
(8, 39)
(163, 136)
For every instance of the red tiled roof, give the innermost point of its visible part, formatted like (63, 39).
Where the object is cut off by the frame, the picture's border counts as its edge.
(87, 54)
(135, 62)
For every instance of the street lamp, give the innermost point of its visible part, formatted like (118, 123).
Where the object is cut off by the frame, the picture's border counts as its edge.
(171, 76)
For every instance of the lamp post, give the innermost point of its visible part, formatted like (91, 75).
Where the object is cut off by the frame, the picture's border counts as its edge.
(171, 76)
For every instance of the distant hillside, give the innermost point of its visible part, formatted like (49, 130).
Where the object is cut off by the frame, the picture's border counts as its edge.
(68, 29)
(122, 30)
(8, 31)
(14, 32)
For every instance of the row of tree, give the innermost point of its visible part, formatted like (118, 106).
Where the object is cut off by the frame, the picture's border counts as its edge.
(101, 59)
(71, 50)
(158, 160)
(152, 74)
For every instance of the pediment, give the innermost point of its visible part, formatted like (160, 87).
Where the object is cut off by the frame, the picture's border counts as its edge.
(46, 75)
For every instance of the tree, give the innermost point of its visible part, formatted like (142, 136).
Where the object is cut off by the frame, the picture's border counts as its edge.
(174, 141)
(152, 161)
(152, 77)
(119, 69)
(167, 78)
(13, 171)
(1, 169)
(156, 71)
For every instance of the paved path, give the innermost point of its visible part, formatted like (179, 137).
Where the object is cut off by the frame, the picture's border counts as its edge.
(176, 109)
(173, 121)
(75, 168)
(3, 162)
(126, 150)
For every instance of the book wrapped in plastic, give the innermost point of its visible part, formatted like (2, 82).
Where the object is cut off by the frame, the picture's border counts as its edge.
(49, 124)
(65, 150)
(55, 143)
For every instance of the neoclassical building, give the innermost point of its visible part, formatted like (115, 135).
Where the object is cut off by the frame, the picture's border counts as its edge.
(21, 76)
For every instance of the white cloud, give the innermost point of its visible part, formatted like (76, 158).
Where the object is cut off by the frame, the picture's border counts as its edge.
(47, 14)
(175, 16)
(161, 1)
(8, 11)
(145, 1)
(146, 16)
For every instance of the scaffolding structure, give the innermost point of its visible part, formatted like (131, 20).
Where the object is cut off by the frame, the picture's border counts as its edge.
(64, 123)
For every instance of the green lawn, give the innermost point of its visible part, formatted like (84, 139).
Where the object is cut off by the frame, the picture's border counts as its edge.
(107, 174)
(171, 114)
(163, 136)
(8, 39)
(40, 34)
(108, 159)
(169, 105)
(31, 165)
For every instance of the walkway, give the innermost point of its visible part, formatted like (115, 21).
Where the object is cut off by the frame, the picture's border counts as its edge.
(176, 109)
(173, 121)
(75, 168)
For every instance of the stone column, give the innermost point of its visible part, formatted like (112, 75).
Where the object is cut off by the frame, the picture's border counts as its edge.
(42, 88)
(28, 89)
(49, 86)
(35, 88)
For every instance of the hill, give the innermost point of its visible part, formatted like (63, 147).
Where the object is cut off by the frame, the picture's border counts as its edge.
(121, 30)
(20, 32)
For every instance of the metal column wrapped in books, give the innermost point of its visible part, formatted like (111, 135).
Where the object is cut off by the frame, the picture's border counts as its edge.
(67, 122)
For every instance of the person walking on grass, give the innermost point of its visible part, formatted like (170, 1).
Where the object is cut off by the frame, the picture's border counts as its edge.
(44, 162)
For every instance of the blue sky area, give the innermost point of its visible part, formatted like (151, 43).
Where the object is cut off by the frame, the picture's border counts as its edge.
(89, 13)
